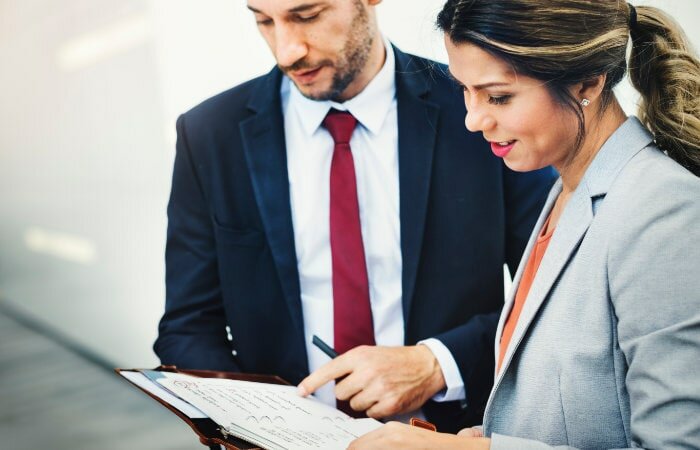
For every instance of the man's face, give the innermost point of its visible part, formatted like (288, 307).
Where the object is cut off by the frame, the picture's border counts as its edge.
(322, 46)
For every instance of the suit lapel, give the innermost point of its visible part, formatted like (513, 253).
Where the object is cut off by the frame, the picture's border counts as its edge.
(417, 123)
(265, 150)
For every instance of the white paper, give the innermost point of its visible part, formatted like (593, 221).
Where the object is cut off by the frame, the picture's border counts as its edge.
(272, 416)
(142, 381)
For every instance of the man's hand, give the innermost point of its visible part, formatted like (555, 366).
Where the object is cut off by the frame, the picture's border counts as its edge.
(383, 381)
(398, 435)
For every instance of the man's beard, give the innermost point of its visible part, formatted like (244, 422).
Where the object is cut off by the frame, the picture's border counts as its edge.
(350, 62)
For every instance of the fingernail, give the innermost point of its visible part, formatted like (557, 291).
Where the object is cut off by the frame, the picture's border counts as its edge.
(301, 391)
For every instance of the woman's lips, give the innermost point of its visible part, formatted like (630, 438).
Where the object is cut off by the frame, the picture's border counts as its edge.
(501, 149)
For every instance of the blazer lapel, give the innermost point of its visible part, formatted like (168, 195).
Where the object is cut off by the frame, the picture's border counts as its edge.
(417, 122)
(572, 226)
(265, 150)
(510, 298)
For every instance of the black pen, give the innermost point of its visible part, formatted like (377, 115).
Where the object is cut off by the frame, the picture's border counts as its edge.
(325, 348)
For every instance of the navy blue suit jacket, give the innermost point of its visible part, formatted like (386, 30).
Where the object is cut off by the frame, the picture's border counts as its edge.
(231, 261)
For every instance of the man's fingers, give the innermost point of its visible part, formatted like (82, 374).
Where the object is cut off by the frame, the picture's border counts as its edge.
(383, 408)
(333, 370)
(363, 400)
(349, 386)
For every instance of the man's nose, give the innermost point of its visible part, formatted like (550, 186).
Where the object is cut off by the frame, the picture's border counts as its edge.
(290, 46)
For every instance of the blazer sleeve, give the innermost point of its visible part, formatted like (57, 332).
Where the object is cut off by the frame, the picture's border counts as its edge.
(655, 291)
(192, 332)
(654, 288)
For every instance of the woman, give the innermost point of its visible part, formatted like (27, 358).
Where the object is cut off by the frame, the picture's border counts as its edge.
(599, 345)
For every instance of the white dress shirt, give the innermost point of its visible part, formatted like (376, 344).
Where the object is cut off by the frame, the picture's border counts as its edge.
(374, 146)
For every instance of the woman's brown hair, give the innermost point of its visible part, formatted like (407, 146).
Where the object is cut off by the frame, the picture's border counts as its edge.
(565, 42)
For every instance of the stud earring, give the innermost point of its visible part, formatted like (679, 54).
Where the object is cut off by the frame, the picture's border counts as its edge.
(585, 102)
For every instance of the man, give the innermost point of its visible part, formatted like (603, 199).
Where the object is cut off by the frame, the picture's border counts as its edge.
(340, 196)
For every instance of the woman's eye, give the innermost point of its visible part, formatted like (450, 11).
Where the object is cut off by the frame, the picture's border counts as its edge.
(499, 99)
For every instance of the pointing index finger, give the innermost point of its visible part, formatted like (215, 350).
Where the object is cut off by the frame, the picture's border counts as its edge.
(336, 368)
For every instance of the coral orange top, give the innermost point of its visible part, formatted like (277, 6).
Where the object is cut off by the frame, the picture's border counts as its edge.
(533, 263)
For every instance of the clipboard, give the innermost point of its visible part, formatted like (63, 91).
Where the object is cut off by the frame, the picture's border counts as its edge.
(208, 431)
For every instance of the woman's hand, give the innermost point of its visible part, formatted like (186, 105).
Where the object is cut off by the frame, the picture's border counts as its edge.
(396, 435)
(476, 432)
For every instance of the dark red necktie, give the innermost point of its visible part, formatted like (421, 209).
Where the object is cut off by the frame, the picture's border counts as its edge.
(352, 315)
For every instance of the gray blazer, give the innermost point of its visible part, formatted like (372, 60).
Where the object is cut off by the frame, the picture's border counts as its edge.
(606, 353)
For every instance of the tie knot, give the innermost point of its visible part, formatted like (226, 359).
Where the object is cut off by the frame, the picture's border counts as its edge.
(340, 124)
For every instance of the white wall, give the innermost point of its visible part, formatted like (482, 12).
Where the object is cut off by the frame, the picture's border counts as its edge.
(203, 51)
(90, 90)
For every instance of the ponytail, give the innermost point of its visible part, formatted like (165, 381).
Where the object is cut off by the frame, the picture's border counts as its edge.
(667, 75)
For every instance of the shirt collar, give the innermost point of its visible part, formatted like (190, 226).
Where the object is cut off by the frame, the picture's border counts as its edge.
(370, 107)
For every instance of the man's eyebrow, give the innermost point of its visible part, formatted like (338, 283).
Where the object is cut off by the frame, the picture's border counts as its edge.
(304, 7)
(296, 9)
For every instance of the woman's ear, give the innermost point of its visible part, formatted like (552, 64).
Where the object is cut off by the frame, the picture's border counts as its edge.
(589, 90)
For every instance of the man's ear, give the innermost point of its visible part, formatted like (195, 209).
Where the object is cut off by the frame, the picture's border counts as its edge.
(590, 89)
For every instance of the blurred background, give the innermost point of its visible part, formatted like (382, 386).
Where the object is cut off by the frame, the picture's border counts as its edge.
(89, 94)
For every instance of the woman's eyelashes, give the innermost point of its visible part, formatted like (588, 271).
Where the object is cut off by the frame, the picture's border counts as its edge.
(499, 99)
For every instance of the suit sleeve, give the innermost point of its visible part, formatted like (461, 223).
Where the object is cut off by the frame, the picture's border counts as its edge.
(192, 332)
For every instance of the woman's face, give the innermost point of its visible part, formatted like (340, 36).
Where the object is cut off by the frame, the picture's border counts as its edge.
(516, 114)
